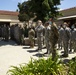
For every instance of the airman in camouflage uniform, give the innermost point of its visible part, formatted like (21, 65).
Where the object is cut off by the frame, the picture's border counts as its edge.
(21, 34)
(53, 39)
(5, 33)
(73, 39)
(12, 32)
(60, 37)
(0, 31)
(39, 29)
(16, 34)
(31, 35)
(66, 39)
(47, 32)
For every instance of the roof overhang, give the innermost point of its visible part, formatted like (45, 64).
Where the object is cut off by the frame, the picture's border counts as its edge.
(5, 20)
(9, 20)
(67, 17)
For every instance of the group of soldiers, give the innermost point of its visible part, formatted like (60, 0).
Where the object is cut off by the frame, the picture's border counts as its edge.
(17, 33)
(67, 38)
(13, 32)
(61, 37)
(47, 33)
(4, 32)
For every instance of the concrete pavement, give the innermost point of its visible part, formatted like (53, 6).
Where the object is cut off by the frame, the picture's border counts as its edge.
(12, 54)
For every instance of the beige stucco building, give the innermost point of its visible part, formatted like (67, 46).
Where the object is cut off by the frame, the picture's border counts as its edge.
(8, 17)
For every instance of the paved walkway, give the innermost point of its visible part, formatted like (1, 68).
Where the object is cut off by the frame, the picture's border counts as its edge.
(12, 54)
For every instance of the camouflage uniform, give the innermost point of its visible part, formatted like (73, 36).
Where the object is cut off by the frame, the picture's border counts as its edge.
(0, 31)
(39, 29)
(12, 32)
(47, 32)
(31, 35)
(53, 39)
(16, 34)
(5, 33)
(73, 40)
(66, 39)
(60, 38)
(21, 35)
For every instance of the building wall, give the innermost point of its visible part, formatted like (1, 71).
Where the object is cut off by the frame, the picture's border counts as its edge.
(9, 18)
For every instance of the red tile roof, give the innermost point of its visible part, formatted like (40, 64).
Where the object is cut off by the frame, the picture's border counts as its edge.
(3, 12)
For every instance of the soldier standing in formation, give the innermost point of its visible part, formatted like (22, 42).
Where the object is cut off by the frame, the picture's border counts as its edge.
(0, 32)
(47, 33)
(31, 35)
(5, 33)
(73, 39)
(54, 35)
(21, 34)
(16, 34)
(12, 32)
(66, 39)
(39, 29)
(60, 30)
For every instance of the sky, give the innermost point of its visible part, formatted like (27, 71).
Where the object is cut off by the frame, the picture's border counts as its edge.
(11, 5)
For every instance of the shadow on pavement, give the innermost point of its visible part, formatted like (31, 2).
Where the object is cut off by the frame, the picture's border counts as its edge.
(31, 51)
(39, 55)
(65, 61)
(26, 47)
(69, 52)
(10, 42)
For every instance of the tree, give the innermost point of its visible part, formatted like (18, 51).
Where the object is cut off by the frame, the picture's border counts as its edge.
(42, 9)
(24, 12)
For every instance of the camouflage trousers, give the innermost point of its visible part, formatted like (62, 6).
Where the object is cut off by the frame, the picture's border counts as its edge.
(73, 45)
(53, 51)
(22, 39)
(65, 45)
(31, 41)
(48, 46)
(59, 43)
(40, 42)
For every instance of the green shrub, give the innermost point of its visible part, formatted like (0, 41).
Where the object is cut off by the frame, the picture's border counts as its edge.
(39, 67)
(72, 67)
